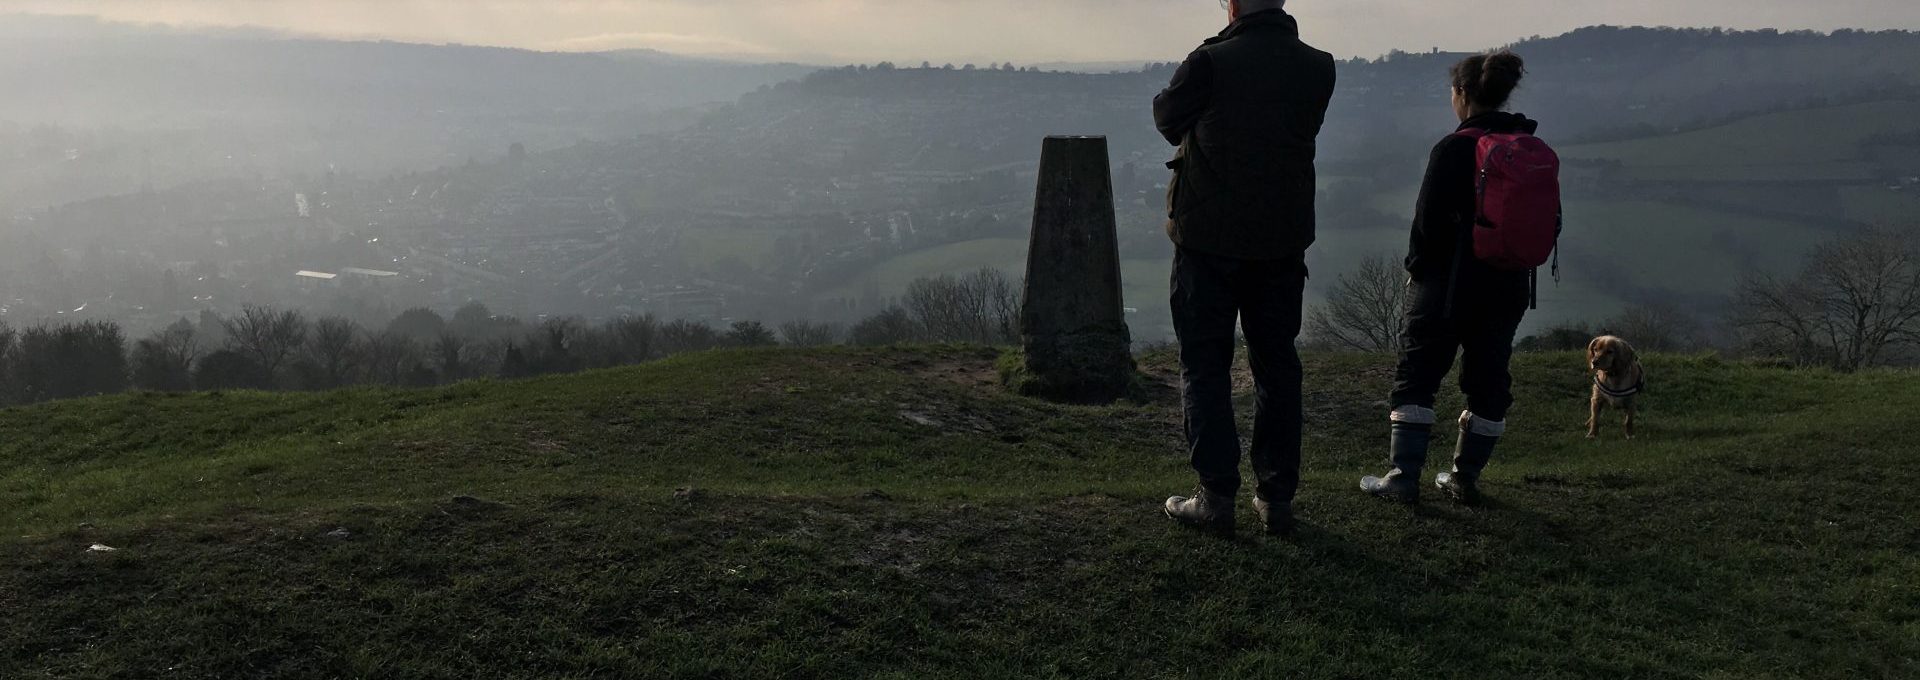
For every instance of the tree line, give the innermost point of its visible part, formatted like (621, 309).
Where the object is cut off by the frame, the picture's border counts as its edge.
(264, 348)
(1853, 304)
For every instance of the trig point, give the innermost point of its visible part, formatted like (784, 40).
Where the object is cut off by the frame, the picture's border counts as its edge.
(1072, 324)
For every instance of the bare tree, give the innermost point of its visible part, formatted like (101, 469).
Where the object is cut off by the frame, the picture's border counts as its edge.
(809, 334)
(485, 357)
(420, 324)
(635, 336)
(682, 336)
(10, 392)
(1658, 327)
(334, 348)
(1560, 337)
(71, 360)
(228, 370)
(620, 341)
(890, 327)
(982, 307)
(551, 347)
(751, 334)
(1002, 294)
(389, 357)
(941, 306)
(596, 347)
(163, 362)
(450, 350)
(1363, 310)
(266, 336)
(1855, 300)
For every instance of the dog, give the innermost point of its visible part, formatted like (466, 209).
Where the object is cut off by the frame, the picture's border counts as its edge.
(1618, 381)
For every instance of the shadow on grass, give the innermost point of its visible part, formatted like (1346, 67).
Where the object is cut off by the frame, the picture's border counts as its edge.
(1550, 581)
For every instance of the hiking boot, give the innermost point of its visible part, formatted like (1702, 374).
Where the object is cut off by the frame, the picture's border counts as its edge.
(1277, 517)
(1478, 437)
(1205, 510)
(1412, 432)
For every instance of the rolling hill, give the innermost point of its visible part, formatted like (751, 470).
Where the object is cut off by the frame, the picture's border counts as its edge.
(96, 108)
(1742, 175)
(894, 513)
(1808, 145)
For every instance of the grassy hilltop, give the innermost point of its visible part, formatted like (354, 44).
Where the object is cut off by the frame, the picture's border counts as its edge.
(892, 513)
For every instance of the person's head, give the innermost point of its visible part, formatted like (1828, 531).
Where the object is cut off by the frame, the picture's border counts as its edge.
(1484, 82)
(1240, 8)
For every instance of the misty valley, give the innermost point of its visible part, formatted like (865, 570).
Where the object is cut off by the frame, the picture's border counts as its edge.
(631, 185)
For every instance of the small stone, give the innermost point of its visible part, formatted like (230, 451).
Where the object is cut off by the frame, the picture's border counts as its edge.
(101, 548)
(85, 526)
(340, 533)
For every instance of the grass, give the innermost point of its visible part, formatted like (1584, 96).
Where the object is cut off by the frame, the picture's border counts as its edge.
(1794, 145)
(895, 514)
(1880, 205)
(893, 274)
(1661, 245)
(756, 247)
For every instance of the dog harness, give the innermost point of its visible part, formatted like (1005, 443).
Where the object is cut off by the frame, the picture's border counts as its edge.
(1611, 393)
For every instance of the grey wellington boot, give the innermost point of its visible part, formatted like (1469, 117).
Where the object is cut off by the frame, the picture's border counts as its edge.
(1205, 510)
(1478, 437)
(1412, 432)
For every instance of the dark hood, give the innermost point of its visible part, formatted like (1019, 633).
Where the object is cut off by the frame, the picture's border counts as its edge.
(1501, 122)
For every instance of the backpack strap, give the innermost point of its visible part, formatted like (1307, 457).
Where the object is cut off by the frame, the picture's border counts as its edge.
(1466, 242)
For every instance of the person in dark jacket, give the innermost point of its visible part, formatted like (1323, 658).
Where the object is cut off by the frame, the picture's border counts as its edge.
(1245, 110)
(1458, 304)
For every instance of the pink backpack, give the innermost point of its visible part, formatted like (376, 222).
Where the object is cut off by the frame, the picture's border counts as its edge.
(1517, 224)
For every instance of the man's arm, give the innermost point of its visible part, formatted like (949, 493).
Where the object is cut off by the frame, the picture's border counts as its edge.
(1179, 107)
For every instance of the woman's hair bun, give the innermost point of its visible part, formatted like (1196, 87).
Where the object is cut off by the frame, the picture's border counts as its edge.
(1490, 79)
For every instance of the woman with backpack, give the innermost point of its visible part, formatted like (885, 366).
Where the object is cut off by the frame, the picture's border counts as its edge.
(1488, 215)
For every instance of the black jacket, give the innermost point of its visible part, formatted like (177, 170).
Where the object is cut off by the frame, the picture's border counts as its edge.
(1443, 217)
(1245, 110)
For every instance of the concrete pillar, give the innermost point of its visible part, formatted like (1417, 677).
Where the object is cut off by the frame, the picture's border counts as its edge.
(1078, 348)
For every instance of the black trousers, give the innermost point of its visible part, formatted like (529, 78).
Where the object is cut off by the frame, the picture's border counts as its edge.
(1209, 294)
(1486, 313)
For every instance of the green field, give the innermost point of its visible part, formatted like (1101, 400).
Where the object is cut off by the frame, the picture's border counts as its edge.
(1646, 244)
(893, 274)
(1880, 205)
(754, 247)
(1682, 248)
(1794, 145)
(895, 514)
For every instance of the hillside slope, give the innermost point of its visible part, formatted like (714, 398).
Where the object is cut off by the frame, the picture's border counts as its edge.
(1801, 145)
(892, 513)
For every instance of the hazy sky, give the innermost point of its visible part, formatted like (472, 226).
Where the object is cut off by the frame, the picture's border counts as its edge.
(1026, 31)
